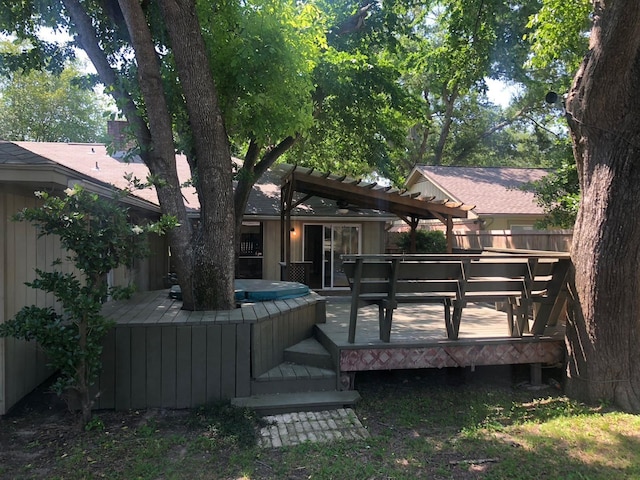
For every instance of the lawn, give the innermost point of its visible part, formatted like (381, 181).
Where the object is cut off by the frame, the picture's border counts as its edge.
(448, 424)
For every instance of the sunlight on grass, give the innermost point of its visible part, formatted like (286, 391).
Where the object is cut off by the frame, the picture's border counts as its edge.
(611, 440)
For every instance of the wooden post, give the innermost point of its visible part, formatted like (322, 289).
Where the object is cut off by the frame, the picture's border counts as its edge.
(449, 234)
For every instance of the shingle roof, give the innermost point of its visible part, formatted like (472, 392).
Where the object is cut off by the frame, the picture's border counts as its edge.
(93, 161)
(493, 190)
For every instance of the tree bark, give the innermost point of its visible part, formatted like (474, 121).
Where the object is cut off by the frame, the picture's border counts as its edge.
(161, 156)
(214, 259)
(603, 106)
(156, 146)
(449, 99)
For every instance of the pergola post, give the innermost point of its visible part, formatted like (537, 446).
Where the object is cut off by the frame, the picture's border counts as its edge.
(449, 234)
(413, 224)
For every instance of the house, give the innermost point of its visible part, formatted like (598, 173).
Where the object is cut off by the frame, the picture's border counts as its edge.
(319, 232)
(504, 216)
(296, 226)
(29, 167)
(499, 202)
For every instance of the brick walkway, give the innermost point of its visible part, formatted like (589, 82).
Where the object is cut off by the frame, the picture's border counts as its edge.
(293, 428)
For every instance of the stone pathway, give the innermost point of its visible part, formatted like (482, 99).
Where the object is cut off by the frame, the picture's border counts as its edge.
(293, 428)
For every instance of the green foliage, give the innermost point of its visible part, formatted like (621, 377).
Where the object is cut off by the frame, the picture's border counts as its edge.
(427, 241)
(262, 55)
(457, 46)
(559, 194)
(45, 107)
(99, 238)
(559, 36)
(362, 111)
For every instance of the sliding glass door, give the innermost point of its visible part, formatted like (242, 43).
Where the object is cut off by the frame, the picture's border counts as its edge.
(336, 240)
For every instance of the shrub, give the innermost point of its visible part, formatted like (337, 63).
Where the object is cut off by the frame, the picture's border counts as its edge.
(427, 241)
(98, 238)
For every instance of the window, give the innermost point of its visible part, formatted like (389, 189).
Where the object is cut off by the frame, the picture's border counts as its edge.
(250, 261)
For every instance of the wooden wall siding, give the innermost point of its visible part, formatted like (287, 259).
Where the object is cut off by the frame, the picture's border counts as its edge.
(271, 253)
(22, 364)
(158, 355)
(373, 237)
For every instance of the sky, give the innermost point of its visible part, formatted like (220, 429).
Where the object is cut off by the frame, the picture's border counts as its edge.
(500, 93)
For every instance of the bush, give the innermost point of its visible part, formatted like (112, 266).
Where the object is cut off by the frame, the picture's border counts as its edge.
(98, 238)
(427, 241)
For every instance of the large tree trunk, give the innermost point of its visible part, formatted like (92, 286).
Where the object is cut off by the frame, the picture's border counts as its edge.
(160, 156)
(603, 110)
(213, 262)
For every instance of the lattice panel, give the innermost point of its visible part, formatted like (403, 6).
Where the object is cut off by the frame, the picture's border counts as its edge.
(450, 356)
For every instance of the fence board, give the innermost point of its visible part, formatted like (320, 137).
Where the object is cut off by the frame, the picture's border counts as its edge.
(183, 365)
(243, 360)
(214, 365)
(138, 367)
(154, 366)
(228, 359)
(123, 368)
(198, 365)
(168, 361)
(106, 382)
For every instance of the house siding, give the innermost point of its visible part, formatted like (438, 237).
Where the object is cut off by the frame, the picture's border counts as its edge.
(23, 363)
(271, 253)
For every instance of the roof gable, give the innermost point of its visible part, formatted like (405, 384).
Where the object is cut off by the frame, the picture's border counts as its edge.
(493, 190)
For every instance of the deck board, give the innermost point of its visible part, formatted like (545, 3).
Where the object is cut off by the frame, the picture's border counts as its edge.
(413, 324)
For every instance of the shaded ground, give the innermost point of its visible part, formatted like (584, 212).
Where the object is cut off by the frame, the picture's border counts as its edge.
(39, 438)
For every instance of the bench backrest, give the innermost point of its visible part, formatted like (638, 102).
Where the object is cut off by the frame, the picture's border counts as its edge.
(380, 277)
(467, 276)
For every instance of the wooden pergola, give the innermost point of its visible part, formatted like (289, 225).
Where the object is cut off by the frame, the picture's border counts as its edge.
(410, 207)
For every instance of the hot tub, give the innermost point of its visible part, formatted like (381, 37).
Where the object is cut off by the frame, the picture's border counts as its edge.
(250, 290)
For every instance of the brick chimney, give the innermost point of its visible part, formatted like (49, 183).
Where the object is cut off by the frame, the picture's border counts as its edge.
(117, 131)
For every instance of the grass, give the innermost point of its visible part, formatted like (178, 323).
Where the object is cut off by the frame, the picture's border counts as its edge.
(422, 425)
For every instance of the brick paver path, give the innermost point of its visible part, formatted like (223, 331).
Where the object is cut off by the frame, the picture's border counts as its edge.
(297, 427)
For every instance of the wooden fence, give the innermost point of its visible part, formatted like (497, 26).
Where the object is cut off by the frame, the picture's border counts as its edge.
(552, 240)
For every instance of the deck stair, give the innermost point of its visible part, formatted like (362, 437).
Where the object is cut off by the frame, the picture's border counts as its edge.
(309, 352)
(297, 402)
(306, 380)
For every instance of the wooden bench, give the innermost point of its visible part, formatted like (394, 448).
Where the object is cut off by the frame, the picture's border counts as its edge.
(454, 280)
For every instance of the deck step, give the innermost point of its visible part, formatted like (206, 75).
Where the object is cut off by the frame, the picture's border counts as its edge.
(292, 378)
(297, 402)
(309, 352)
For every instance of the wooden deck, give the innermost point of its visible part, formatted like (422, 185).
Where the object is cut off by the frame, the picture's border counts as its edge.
(161, 356)
(419, 340)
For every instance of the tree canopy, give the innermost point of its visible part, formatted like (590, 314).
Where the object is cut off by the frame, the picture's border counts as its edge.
(344, 86)
(48, 107)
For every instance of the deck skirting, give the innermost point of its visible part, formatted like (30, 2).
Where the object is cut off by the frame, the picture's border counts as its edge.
(159, 356)
(441, 355)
